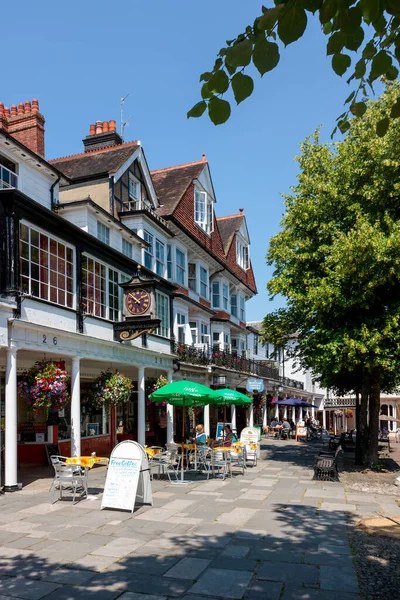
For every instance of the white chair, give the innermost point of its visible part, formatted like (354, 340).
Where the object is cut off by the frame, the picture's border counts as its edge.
(250, 454)
(204, 459)
(238, 458)
(69, 476)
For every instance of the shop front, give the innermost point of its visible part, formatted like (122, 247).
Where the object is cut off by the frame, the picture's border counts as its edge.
(81, 426)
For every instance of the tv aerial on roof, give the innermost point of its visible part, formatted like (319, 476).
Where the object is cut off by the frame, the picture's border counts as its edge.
(123, 123)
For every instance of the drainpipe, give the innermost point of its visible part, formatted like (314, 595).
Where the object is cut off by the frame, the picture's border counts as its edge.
(53, 185)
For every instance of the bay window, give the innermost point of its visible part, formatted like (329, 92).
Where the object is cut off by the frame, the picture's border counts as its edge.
(181, 322)
(193, 331)
(127, 248)
(203, 282)
(242, 311)
(204, 335)
(215, 294)
(162, 309)
(169, 261)
(160, 258)
(192, 275)
(226, 342)
(180, 266)
(103, 232)
(100, 290)
(225, 296)
(47, 267)
(234, 306)
(149, 250)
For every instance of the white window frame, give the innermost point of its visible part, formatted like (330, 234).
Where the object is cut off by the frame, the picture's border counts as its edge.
(127, 248)
(103, 233)
(164, 329)
(234, 306)
(216, 285)
(225, 298)
(170, 262)
(227, 345)
(148, 250)
(194, 327)
(134, 190)
(255, 344)
(111, 313)
(160, 257)
(242, 308)
(180, 325)
(204, 211)
(203, 284)
(242, 254)
(179, 269)
(192, 287)
(29, 261)
(204, 334)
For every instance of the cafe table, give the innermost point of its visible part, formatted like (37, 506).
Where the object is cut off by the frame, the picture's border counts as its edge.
(87, 461)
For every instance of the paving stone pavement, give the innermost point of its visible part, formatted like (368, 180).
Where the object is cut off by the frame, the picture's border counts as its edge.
(272, 534)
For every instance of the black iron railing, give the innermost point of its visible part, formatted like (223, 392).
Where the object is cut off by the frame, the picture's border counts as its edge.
(286, 381)
(204, 355)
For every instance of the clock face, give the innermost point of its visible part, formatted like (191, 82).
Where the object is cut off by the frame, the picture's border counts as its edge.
(138, 301)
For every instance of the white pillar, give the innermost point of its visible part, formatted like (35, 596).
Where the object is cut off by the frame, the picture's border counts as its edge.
(313, 412)
(170, 415)
(11, 418)
(251, 415)
(76, 407)
(285, 412)
(141, 408)
(324, 418)
(206, 414)
(276, 411)
(265, 419)
(233, 418)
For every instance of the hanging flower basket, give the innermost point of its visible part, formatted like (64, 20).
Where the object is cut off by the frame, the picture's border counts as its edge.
(111, 389)
(338, 413)
(45, 385)
(153, 384)
(348, 414)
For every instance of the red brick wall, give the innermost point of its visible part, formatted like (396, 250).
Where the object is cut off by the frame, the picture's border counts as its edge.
(246, 276)
(29, 130)
(184, 213)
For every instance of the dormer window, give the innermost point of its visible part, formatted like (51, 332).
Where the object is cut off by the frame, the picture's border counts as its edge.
(203, 211)
(8, 177)
(242, 255)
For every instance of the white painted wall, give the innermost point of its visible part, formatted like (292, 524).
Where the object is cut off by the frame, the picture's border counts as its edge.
(49, 315)
(35, 184)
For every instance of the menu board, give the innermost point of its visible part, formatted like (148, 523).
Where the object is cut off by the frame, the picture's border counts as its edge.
(124, 469)
(52, 450)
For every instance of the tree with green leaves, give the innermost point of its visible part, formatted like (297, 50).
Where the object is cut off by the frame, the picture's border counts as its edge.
(337, 262)
(363, 40)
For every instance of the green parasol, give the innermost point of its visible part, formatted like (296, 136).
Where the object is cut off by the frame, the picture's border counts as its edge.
(183, 393)
(227, 397)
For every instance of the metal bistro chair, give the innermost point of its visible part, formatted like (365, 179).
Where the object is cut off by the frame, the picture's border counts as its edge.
(166, 461)
(221, 459)
(238, 458)
(70, 476)
(204, 460)
(251, 454)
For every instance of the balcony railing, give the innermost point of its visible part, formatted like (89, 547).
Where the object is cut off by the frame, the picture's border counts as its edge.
(334, 402)
(8, 179)
(293, 383)
(205, 355)
(133, 205)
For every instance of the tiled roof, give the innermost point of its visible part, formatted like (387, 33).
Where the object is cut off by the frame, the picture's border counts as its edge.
(227, 228)
(96, 162)
(171, 184)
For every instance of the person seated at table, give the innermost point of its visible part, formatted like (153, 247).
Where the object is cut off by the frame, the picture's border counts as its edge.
(228, 435)
(201, 437)
(285, 424)
(292, 425)
(274, 422)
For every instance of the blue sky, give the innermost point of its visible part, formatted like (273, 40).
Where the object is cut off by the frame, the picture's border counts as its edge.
(80, 58)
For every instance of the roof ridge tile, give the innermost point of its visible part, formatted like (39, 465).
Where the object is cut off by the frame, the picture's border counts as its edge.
(190, 164)
(97, 151)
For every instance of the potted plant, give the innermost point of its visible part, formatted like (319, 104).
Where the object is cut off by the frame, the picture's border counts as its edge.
(45, 385)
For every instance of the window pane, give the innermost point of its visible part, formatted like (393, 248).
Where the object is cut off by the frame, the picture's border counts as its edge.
(192, 274)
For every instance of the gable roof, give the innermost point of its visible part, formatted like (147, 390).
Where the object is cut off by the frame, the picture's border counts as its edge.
(171, 184)
(228, 226)
(95, 163)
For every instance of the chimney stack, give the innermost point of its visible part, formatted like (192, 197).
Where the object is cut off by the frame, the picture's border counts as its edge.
(25, 124)
(102, 135)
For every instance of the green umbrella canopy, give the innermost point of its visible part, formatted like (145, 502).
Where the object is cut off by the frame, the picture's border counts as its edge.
(230, 398)
(183, 393)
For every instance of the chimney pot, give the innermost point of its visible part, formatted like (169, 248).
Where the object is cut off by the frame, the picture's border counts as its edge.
(13, 110)
(35, 105)
(27, 107)
(105, 126)
(1, 108)
(112, 125)
(99, 126)
(92, 130)
(21, 108)
(7, 112)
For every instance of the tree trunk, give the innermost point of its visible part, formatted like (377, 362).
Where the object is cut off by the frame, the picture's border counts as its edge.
(362, 429)
(374, 409)
(358, 456)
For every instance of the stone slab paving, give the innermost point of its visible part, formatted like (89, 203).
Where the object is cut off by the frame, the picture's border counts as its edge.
(272, 534)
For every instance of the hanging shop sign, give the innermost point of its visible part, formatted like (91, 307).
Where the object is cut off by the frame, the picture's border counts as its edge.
(255, 385)
(128, 477)
(129, 330)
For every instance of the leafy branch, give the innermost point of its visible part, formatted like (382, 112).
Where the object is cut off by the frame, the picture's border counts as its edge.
(346, 22)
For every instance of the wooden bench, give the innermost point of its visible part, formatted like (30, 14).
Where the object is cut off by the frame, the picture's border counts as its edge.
(325, 466)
